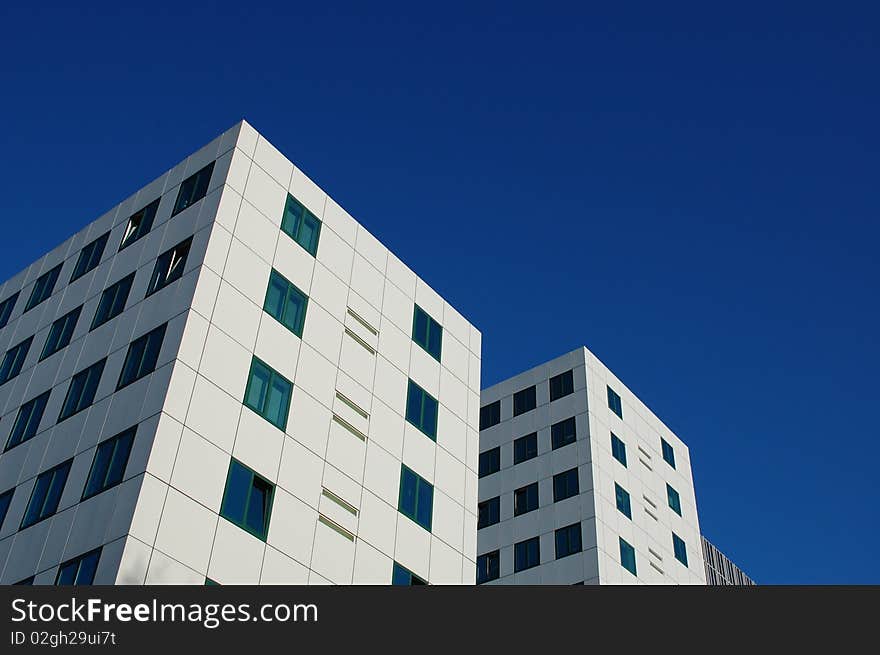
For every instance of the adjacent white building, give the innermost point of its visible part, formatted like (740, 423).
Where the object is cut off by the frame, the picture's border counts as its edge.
(227, 379)
(580, 483)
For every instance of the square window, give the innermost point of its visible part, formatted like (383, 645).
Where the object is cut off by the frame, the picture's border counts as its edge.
(301, 225)
(139, 224)
(621, 497)
(627, 556)
(6, 308)
(565, 485)
(490, 462)
(404, 577)
(568, 540)
(89, 256)
(421, 410)
(490, 415)
(668, 453)
(108, 465)
(82, 390)
(143, 353)
(46, 494)
(525, 401)
(489, 512)
(525, 499)
(247, 500)
(680, 549)
(169, 267)
(416, 499)
(618, 449)
(60, 333)
(526, 554)
(488, 567)
(286, 303)
(27, 421)
(43, 288)
(525, 448)
(614, 403)
(193, 189)
(674, 499)
(80, 570)
(112, 301)
(13, 360)
(561, 385)
(427, 333)
(268, 394)
(563, 433)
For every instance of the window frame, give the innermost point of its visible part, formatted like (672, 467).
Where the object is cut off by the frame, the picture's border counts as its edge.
(431, 327)
(555, 430)
(89, 257)
(426, 400)
(290, 289)
(679, 549)
(169, 267)
(525, 400)
(628, 551)
(493, 512)
(566, 533)
(622, 497)
(256, 361)
(85, 374)
(148, 357)
(126, 437)
(263, 533)
(668, 452)
(492, 564)
(62, 469)
(200, 183)
(420, 483)
(46, 286)
(615, 404)
(562, 478)
(66, 326)
(5, 501)
(523, 546)
(525, 492)
(295, 230)
(37, 403)
(673, 495)
(7, 307)
(562, 389)
(145, 217)
(619, 456)
(491, 412)
(125, 284)
(522, 448)
(18, 354)
(78, 561)
(400, 570)
(488, 455)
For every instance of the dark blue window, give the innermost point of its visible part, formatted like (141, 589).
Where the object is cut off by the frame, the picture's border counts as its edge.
(490, 462)
(143, 353)
(82, 390)
(27, 421)
(416, 497)
(139, 224)
(247, 500)
(490, 415)
(614, 403)
(5, 501)
(565, 485)
(627, 556)
(112, 301)
(563, 433)
(108, 465)
(621, 497)
(618, 449)
(568, 540)
(561, 385)
(427, 333)
(14, 360)
(193, 189)
(525, 499)
(525, 448)
(268, 394)
(488, 566)
(46, 494)
(43, 288)
(674, 499)
(169, 266)
(90, 256)
(80, 570)
(668, 453)
(680, 549)
(286, 303)
(301, 225)
(526, 554)
(488, 512)
(6, 308)
(421, 410)
(60, 333)
(525, 400)
(404, 577)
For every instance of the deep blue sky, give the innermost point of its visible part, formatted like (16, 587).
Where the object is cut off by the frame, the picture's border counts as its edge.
(690, 191)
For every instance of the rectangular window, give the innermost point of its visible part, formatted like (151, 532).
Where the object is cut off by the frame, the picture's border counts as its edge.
(674, 499)
(6, 308)
(489, 512)
(268, 394)
(193, 189)
(13, 360)
(565, 485)
(82, 390)
(139, 224)
(90, 256)
(143, 353)
(169, 267)
(416, 498)
(561, 385)
(427, 333)
(525, 400)
(112, 301)
(526, 554)
(680, 549)
(614, 403)
(80, 570)
(525, 448)
(563, 433)
(668, 452)
(247, 500)
(488, 567)
(621, 497)
(286, 303)
(43, 288)
(421, 410)
(301, 225)
(60, 333)
(46, 494)
(5, 501)
(27, 421)
(402, 576)
(618, 449)
(627, 556)
(490, 415)
(525, 499)
(108, 465)
(490, 462)
(568, 540)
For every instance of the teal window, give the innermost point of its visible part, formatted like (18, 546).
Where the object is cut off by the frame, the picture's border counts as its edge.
(82, 390)
(490, 462)
(674, 499)
(421, 410)
(488, 566)
(618, 449)
(568, 540)
(211, 583)
(404, 577)
(565, 485)
(563, 433)
(285, 303)
(60, 333)
(561, 385)
(680, 549)
(416, 498)
(139, 224)
(525, 400)
(525, 448)
(488, 512)
(169, 266)
(526, 554)
(621, 497)
(490, 415)
(247, 500)
(627, 556)
(614, 402)
(525, 499)
(108, 465)
(80, 570)
(43, 288)
(268, 394)
(193, 189)
(143, 353)
(5, 501)
(27, 421)
(13, 360)
(90, 256)
(112, 301)
(668, 453)
(6, 308)
(46, 494)
(427, 333)
(301, 225)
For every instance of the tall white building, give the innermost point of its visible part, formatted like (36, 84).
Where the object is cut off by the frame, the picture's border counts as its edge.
(227, 379)
(581, 483)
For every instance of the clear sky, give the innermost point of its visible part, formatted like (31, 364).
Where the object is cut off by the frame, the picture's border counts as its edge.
(690, 190)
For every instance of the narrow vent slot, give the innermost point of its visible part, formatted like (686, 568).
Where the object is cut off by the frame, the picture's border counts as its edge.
(348, 507)
(360, 341)
(348, 426)
(352, 404)
(333, 525)
(360, 319)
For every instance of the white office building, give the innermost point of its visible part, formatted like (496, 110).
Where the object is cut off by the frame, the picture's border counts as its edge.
(227, 379)
(580, 483)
